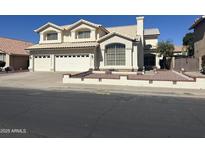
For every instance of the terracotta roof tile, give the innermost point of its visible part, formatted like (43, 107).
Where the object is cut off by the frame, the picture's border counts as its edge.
(179, 48)
(14, 47)
(131, 30)
(63, 45)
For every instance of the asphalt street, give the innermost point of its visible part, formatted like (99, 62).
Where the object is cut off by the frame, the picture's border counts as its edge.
(38, 113)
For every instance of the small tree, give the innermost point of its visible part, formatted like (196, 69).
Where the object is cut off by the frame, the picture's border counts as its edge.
(188, 41)
(165, 49)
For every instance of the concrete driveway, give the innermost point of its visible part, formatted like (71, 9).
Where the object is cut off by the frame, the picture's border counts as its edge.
(36, 80)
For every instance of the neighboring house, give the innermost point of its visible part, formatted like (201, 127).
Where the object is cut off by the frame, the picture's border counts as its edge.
(84, 45)
(14, 54)
(199, 39)
(180, 51)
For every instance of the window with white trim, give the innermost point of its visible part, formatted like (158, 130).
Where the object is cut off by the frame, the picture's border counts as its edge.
(52, 36)
(115, 54)
(83, 34)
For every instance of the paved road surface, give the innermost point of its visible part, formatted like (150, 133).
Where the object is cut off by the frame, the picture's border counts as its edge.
(78, 114)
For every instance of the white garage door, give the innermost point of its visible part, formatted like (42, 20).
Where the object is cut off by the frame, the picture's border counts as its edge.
(77, 62)
(42, 63)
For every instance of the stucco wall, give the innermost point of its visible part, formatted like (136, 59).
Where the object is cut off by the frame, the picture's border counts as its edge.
(123, 81)
(70, 35)
(128, 53)
(74, 31)
(199, 38)
(151, 41)
(49, 29)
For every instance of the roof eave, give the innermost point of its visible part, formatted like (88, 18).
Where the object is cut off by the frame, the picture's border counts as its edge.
(54, 48)
(104, 29)
(115, 33)
(151, 34)
(47, 24)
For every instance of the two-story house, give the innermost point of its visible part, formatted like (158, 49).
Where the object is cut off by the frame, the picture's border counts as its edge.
(84, 45)
(199, 39)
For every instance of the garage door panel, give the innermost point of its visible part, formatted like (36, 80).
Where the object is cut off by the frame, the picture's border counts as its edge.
(78, 62)
(42, 63)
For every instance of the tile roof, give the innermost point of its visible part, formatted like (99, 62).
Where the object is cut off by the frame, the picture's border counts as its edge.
(151, 31)
(67, 27)
(13, 46)
(131, 30)
(118, 34)
(70, 26)
(63, 45)
(179, 48)
(48, 24)
(84, 21)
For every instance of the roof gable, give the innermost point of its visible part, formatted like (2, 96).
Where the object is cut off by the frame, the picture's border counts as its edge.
(49, 24)
(70, 27)
(117, 34)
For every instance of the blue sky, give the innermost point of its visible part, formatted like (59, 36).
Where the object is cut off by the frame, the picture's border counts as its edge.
(171, 28)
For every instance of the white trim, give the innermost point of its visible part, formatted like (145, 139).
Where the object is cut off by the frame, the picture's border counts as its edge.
(48, 24)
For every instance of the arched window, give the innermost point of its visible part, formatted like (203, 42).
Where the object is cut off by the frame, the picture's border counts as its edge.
(115, 54)
(51, 35)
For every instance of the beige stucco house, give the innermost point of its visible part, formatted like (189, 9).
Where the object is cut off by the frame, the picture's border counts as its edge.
(180, 50)
(84, 45)
(199, 39)
(13, 52)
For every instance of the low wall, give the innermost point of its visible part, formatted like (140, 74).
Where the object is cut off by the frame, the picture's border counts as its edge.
(187, 63)
(198, 83)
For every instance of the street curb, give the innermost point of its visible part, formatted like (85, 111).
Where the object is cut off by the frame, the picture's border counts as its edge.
(123, 90)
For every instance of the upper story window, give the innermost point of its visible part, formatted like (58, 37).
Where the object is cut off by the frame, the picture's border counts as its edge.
(83, 34)
(52, 36)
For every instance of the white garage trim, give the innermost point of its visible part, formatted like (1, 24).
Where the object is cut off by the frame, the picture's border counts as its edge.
(73, 62)
(42, 63)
